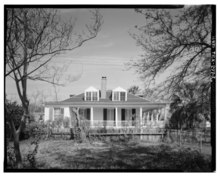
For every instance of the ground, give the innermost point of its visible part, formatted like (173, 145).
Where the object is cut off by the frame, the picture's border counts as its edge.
(66, 154)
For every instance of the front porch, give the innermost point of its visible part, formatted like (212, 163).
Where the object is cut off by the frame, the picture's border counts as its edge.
(119, 117)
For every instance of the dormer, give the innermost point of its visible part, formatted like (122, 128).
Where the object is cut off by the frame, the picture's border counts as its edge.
(119, 94)
(91, 94)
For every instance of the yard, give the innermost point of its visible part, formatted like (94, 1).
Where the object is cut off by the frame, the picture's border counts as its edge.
(66, 154)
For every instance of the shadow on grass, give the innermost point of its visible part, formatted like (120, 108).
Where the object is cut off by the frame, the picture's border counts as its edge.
(133, 157)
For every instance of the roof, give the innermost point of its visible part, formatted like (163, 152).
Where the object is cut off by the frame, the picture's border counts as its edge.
(91, 88)
(132, 101)
(119, 89)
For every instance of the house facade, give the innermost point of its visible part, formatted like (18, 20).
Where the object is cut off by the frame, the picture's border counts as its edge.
(110, 108)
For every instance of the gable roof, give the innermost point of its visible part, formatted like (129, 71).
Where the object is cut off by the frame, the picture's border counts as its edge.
(119, 89)
(91, 88)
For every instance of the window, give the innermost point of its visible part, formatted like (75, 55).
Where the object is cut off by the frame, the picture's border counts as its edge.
(92, 96)
(119, 96)
(58, 113)
(122, 96)
(95, 96)
(89, 96)
(116, 96)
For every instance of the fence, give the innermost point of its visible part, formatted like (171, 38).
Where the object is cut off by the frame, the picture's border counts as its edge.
(184, 137)
(197, 137)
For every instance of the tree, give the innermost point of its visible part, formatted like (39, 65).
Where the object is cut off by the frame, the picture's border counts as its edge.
(190, 106)
(178, 41)
(134, 90)
(33, 38)
(57, 74)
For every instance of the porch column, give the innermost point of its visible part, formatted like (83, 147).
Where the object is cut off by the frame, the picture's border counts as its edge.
(116, 116)
(165, 113)
(157, 116)
(151, 116)
(141, 117)
(91, 116)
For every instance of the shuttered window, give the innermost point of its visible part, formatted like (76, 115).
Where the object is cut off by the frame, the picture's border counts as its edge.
(116, 96)
(122, 96)
(91, 96)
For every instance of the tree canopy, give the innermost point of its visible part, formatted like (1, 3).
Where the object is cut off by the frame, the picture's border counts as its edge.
(178, 41)
(134, 90)
(190, 106)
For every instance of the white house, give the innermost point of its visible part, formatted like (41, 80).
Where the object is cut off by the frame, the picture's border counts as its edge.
(110, 108)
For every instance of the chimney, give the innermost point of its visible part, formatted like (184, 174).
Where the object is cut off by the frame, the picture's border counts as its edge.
(72, 95)
(103, 87)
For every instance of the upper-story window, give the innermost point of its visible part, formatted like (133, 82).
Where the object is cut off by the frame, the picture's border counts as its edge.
(119, 94)
(95, 96)
(91, 94)
(116, 96)
(122, 96)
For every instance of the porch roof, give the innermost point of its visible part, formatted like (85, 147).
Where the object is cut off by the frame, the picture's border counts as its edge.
(132, 101)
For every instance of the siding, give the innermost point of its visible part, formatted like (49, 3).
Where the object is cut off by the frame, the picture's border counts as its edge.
(66, 112)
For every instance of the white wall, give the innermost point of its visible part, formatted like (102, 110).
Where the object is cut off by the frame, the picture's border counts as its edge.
(66, 112)
(97, 113)
(46, 113)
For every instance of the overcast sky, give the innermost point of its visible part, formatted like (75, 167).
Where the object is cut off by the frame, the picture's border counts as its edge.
(103, 56)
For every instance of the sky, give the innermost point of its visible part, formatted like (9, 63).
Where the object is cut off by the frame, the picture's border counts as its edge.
(104, 55)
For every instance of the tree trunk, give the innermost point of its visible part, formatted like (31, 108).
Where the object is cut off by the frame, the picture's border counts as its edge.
(17, 151)
(79, 133)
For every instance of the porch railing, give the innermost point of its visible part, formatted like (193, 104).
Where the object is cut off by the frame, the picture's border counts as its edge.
(124, 123)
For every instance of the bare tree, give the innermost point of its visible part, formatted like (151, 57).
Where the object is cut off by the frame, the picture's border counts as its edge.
(134, 90)
(178, 38)
(58, 75)
(33, 38)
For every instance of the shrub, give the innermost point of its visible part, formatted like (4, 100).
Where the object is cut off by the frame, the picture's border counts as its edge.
(11, 160)
(35, 128)
(66, 122)
(14, 111)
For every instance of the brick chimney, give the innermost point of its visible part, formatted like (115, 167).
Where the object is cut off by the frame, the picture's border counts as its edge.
(103, 87)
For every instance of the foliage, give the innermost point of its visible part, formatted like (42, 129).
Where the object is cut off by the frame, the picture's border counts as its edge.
(134, 90)
(66, 122)
(11, 161)
(13, 110)
(177, 41)
(190, 106)
(36, 132)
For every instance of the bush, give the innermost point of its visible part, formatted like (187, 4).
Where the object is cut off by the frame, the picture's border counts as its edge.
(66, 122)
(14, 111)
(35, 128)
(11, 160)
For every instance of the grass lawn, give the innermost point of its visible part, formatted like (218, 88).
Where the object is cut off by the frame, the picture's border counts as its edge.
(65, 154)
